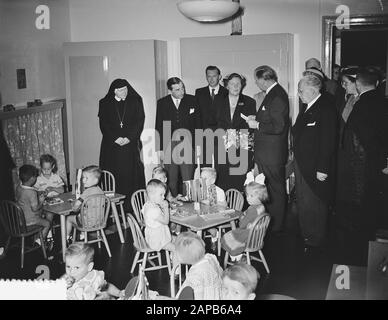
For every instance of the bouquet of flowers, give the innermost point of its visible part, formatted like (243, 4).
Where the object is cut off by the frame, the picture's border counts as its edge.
(239, 139)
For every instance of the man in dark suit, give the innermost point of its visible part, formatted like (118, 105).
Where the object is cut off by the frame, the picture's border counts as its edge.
(207, 113)
(271, 141)
(314, 134)
(368, 122)
(175, 123)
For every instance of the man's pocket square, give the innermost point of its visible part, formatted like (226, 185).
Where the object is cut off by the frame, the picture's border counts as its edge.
(263, 108)
(311, 124)
(192, 110)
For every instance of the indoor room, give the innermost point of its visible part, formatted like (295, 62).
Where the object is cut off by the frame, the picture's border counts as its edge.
(195, 149)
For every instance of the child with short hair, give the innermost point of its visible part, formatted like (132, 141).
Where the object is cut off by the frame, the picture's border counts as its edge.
(160, 173)
(157, 217)
(48, 180)
(83, 282)
(215, 196)
(91, 176)
(234, 241)
(28, 199)
(239, 282)
(204, 276)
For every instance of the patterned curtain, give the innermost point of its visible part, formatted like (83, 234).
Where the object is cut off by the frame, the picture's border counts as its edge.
(29, 136)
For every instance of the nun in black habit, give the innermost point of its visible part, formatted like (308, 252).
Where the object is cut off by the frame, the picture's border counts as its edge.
(121, 116)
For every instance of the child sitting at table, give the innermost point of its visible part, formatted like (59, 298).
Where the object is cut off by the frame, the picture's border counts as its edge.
(239, 282)
(90, 178)
(157, 217)
(214, 196)
(31, 203)
(49, 180)
(83, 282)
(204, 276)
(160, 173)
(234, 241)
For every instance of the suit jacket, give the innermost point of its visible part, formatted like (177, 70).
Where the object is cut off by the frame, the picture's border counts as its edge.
(271, 140)
(245, 105)
(369, 122)
(315, 140)
(207, 112)
(181, 118)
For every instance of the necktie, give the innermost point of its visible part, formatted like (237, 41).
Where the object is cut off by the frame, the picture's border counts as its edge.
(212, 95)
(177, 103)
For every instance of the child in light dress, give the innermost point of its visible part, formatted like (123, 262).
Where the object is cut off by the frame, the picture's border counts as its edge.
(204, 276)
(215, 196)
(239, 282)
(234, 241)
(83, 282)
(157, 217)
(48, 180)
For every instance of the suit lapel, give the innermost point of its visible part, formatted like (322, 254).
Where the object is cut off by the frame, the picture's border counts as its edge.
(268, 98)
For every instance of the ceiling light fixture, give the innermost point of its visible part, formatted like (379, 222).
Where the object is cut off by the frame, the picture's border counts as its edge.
(208, 10)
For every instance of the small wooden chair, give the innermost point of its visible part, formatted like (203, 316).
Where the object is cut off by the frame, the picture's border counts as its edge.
(138, 200)
(234, 200)
(14, 223)
(141, 246)
(255, 241)
(173, 291)
(108, 185)
(92, 218)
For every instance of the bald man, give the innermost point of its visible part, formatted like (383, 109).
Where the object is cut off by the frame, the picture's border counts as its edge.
(314, 135)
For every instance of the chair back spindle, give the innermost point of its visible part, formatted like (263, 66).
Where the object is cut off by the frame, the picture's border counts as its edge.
(139, 241)
(12, 218)
(138, 200)
(108, 182)
(234, 199)
(94, 212)
(257, 233)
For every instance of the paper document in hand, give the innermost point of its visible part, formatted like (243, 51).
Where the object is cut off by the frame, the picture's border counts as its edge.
(244, 117)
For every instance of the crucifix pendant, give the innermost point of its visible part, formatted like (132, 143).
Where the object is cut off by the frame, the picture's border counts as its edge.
(121, 124)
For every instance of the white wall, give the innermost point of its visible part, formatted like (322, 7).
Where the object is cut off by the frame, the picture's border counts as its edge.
(23, 46)
(160, 19)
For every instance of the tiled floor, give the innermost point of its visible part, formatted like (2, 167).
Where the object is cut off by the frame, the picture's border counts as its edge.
(294, 272)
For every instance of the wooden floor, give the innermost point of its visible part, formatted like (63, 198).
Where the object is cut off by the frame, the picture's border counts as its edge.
(294, 272)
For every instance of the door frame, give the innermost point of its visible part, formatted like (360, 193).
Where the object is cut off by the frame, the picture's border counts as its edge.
(328, 23)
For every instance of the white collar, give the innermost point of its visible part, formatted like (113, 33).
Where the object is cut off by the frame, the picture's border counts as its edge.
(366, 91)
(118, 99)
(27, 187)
(312, 102)
(269, 89)
(216, 89)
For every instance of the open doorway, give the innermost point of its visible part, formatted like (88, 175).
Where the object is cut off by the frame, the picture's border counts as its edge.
(365, 43)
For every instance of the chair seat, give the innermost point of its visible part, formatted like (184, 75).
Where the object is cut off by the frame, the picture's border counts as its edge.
(148, 250)
(32, 229)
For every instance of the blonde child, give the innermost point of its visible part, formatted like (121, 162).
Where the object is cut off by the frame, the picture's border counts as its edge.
(48, 180)
(205, 273)
(83, 282)
(90, 178)
(157, 217)
(239, 282)
(29, 200)
(215, 196)
(235, 240)
(160, 173)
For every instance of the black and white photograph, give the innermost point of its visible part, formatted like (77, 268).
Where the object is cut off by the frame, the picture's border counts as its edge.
(197, 150)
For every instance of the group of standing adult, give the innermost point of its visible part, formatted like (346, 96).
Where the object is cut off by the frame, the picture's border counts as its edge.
(339, 149)
(261, 132)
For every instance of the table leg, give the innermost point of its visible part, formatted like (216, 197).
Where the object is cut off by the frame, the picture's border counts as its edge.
(116, 215)
(233, 224)
(199, 233)
(63, 235)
